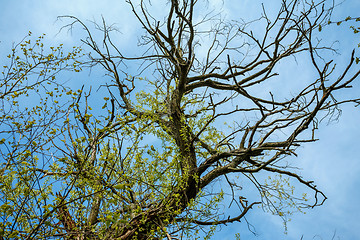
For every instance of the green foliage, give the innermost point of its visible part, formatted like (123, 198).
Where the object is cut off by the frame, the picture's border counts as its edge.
(27, 130)
(355, 27)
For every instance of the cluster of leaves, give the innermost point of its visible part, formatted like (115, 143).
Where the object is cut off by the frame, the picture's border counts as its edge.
(354, 27)
(32, 104)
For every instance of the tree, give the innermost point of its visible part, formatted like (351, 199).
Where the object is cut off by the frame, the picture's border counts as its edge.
(197, 123)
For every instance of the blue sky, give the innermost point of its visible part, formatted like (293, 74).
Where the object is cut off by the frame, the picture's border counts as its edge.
(332, 162)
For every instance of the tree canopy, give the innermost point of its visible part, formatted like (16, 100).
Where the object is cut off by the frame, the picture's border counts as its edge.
(172, 142)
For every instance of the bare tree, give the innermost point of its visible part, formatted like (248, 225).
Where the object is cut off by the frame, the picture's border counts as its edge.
(210, 116)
